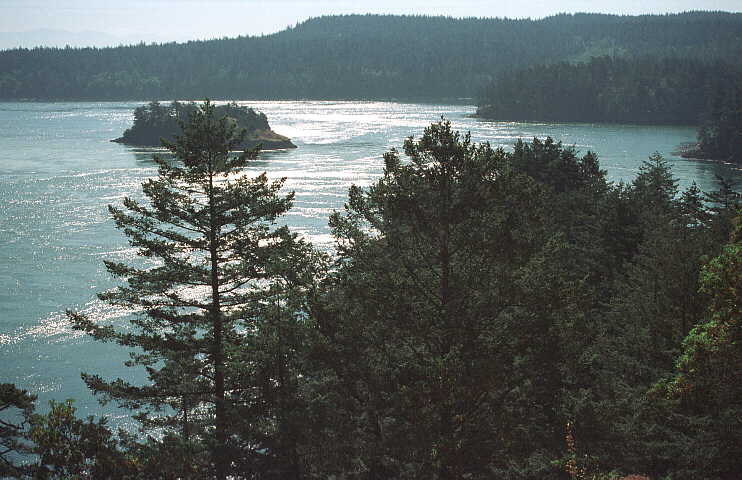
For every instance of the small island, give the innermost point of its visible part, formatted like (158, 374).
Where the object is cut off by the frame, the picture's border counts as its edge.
(154, 121)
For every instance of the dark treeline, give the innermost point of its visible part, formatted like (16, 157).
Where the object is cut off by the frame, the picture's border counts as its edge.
(609, 89)
(352, 57)
(646, 90)
(488, 314)
(154, 122)
(720, 135)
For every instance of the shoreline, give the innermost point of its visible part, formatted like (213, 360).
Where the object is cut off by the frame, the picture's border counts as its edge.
(691, 151)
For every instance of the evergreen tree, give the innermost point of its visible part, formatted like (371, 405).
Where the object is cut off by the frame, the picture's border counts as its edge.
(722, 210)
(68, 447)
(272, 368)
(706, 387)
(16, 407)
(720, 137)
(654, 302)
(451, 320)
(483, 300)
(210, 234)
(56, 445)
(398, 57)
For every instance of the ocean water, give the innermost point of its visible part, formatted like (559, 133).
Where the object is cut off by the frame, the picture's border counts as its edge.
(59, 171)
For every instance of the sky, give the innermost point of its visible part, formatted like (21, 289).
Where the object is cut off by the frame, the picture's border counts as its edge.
(131, 21)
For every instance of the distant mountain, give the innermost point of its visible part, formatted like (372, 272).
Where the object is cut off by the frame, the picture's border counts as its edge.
(361, 57)
(62, 38)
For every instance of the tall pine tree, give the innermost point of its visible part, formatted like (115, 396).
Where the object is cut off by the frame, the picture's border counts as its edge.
(443, 317)
(215, 250)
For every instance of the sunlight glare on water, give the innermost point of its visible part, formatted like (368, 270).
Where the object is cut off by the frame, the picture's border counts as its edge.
(60, 170)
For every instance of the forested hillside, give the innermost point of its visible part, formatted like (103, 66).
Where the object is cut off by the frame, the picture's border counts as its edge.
(609, 89)
(647, 90)
(360, 57)
(720, 136)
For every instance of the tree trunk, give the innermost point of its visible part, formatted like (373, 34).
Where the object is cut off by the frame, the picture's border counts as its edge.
(219, 456)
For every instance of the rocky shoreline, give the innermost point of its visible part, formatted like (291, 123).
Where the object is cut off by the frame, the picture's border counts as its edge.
(267, 139)
(692, 151)
(154, 122)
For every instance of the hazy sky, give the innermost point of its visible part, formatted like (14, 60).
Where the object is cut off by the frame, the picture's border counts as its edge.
(160, 20)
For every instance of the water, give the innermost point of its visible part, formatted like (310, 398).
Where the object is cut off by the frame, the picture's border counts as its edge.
(58, 171)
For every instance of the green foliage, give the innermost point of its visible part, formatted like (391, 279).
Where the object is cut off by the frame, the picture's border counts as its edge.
(707, 384)
(16, 407)
(154, 122)
(217, 259)
(361, 57)
(720, 137)
(482, 300)
(70, 448)
(479, 302)
(465, 369)
(655, 303)
(58, 445)
(272, 367)
(638, 89)
(654, 185)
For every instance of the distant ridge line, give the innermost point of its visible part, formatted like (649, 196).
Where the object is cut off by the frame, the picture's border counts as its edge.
(360, 57)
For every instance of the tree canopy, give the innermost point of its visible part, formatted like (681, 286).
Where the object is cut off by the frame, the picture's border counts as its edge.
(653, 90)
(219, 261)
(487, 314)
(359, 57)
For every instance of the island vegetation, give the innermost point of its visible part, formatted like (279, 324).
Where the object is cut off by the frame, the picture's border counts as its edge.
(155, 122)
(648, 69)
(486, 314)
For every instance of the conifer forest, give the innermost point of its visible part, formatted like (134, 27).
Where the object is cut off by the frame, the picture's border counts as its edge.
(483, 311)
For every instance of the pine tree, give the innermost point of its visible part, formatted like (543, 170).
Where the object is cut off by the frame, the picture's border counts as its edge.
(16, 407)
(66, 446)
(704, 391)
(443, 317)
(210, 234)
